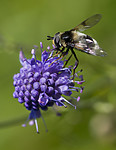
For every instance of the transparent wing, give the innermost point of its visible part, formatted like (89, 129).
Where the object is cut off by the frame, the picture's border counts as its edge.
(88, 23)
(96, 51)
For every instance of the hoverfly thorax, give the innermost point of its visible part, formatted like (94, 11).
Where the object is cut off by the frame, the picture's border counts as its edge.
(67, 36)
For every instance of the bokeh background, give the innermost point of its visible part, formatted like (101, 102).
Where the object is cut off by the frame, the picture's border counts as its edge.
(25, 23)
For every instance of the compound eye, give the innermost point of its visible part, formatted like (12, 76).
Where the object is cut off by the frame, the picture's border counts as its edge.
(57, 42)
(57, 39)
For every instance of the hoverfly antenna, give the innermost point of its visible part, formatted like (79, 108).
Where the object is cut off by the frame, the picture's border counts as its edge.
(49, 38)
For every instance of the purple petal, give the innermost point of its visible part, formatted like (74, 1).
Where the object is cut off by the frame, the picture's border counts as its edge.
(22, 57)
(17, 88)
(60, 81)
(26, 81)
(15, 94)
(34, 114)
(34, 98)
(57, 95)
(33, 51)
(43, 88)
(45, 55)
(42, 80)
(36, 85)
(31, 122)
(29, 87)
(31, 80)
(79, 82)
(27, 94)
(20, 100)
(50, 90)
(30, 74)
(82, 88)
(26, 99)
(20, 82)
(37, 75)
(54, 76)
(78, 98)
(15, 83)
(23, 88)
(41, 45)
(46, 74)
(34, 93)
(15, 77)
(50, 81)
(67, 93)
(43, 99)
(21, 94)
(63, 88)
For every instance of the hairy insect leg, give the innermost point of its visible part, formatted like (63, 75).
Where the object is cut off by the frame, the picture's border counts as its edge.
(56, 60)
(76, 63)
(62, 55)
(74, 68)
(54, 55)
(58, 51)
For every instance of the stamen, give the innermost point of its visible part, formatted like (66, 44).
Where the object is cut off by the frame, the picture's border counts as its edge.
(41, 45)
(31, 122)
(33, 51)
(53, 46)
(24, 125)
(60, 102)
(72, 97)
(48, 48)
(78, 98)
(44, 123)
(69, 103)
(72, 90)
(33, 54)
(35, 47)
(50, 56)
(36, 124)
(82, 88)
(77, 88)
(22, 57)
(79, 82)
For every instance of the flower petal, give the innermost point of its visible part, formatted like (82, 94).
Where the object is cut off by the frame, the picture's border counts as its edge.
(43, 99)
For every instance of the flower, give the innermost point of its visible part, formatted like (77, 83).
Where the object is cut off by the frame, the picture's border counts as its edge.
(41, 84)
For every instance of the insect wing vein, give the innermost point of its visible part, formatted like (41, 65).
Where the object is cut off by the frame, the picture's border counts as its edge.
(88, 23)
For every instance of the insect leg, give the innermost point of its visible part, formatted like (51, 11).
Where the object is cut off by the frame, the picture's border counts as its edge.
(58, 51)
(61, 56)
(56, 60)
(67, 60)
(76, 63)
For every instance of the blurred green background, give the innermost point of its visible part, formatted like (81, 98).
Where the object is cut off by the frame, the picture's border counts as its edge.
(25, 23)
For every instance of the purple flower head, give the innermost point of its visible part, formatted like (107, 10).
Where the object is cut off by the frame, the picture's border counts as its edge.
(41, 84)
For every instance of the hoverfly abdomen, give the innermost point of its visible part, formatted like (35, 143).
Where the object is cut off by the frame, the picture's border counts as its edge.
(89, 41)
(89, 38)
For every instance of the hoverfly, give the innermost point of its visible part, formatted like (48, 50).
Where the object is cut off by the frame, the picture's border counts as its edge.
(75, 39)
